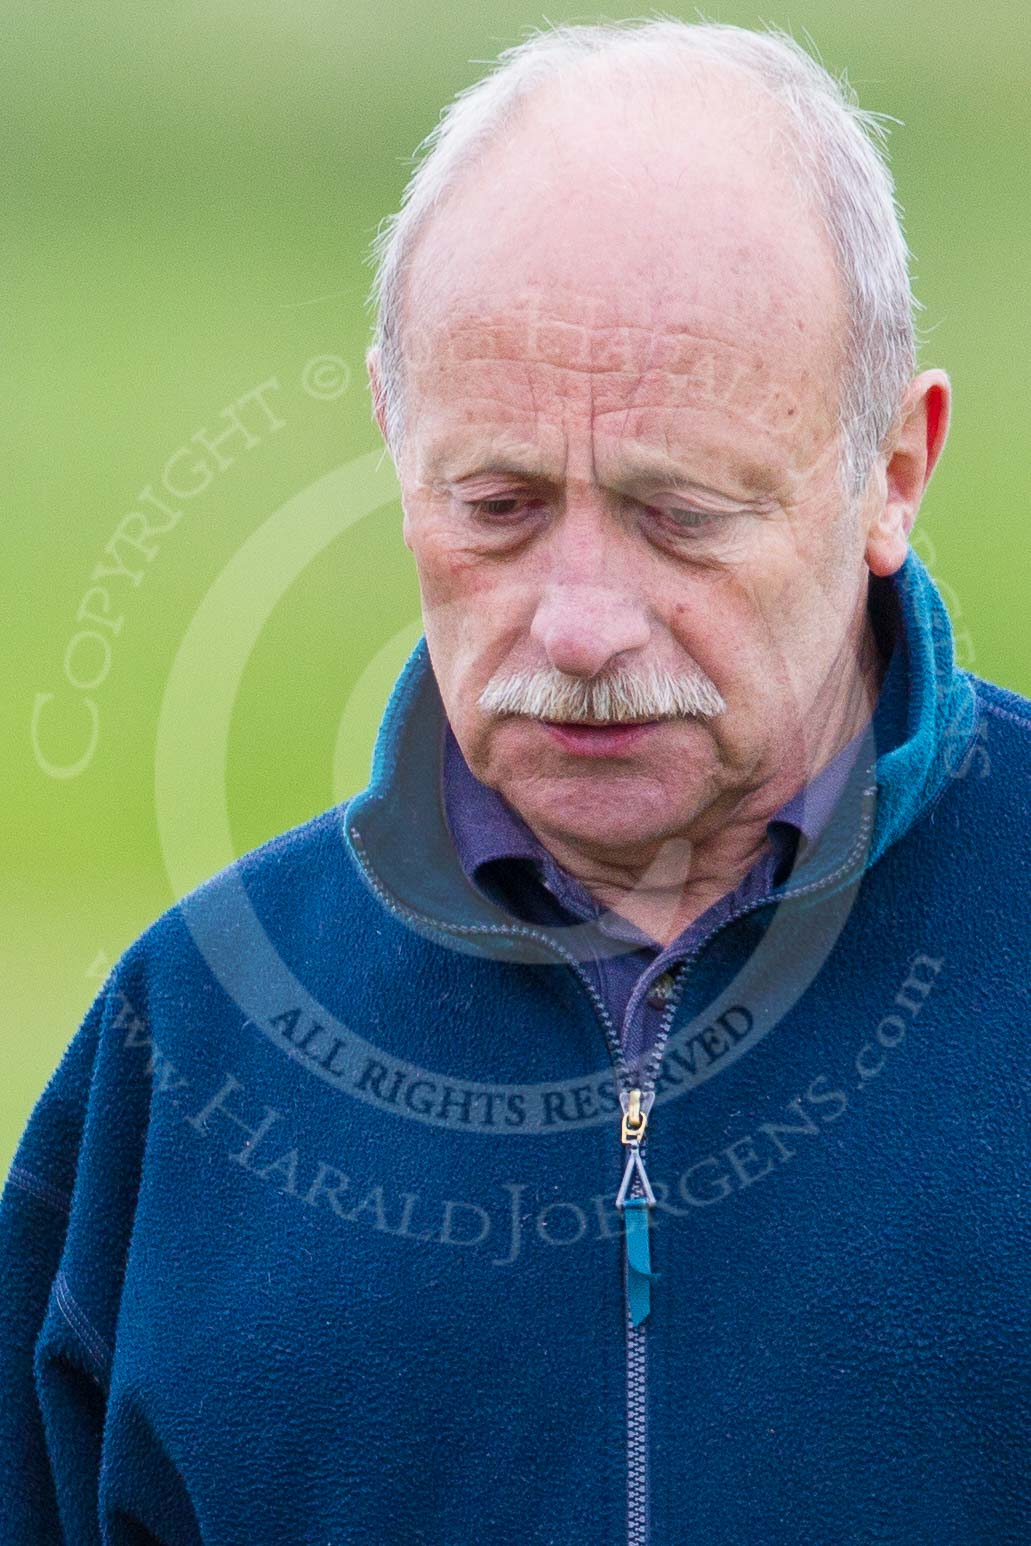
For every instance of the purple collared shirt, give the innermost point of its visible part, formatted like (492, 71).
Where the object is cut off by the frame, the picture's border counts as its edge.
(502, 857)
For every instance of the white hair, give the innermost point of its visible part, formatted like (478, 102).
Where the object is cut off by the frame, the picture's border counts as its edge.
(840, 148)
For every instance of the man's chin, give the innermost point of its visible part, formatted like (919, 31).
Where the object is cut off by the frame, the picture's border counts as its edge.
(609, 792)
(586, 846)
(598, 809)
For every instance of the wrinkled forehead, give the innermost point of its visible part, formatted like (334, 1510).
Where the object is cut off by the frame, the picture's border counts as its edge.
(560, 329)
(522, 387)
(717, 386)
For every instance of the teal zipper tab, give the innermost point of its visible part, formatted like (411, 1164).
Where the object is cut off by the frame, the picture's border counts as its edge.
(638, 1258)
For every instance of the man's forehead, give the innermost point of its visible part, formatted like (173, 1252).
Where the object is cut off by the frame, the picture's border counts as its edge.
(605, 298)
(501, 391)
(569, 328)
(609, 290)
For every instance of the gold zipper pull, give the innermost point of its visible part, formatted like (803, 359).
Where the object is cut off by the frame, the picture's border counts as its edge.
(635, 1120)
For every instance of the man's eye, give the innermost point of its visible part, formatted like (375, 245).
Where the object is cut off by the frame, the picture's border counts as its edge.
(505, 508)
(687, 520)
(498, 508)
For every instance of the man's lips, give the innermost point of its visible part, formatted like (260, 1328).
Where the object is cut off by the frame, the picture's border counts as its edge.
(596, 740)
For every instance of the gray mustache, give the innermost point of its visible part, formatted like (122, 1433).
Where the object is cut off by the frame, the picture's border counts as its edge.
(654, 694)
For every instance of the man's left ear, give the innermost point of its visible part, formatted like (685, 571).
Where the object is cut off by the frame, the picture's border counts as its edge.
(917, 443)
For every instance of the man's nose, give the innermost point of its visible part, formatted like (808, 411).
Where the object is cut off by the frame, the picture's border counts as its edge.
(581, 627)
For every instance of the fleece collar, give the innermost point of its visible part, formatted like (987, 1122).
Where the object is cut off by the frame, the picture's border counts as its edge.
(397, 833)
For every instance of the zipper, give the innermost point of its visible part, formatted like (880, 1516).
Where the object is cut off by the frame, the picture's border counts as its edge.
(636, 1097)
(635, 1198)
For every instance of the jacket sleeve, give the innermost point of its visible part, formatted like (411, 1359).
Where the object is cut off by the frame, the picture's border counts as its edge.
(65, 1216)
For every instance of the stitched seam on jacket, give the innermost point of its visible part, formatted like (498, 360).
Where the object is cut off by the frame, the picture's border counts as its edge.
(1018, 719)
(92, 1342)
(949, 776)
(861, 842)
(40, 1188)
(522, 930)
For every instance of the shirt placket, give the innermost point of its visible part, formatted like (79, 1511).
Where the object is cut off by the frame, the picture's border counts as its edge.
(624, 969)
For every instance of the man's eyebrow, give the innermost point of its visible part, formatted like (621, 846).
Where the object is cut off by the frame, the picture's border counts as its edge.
(635, 470)
(645, 467)
(450, 466)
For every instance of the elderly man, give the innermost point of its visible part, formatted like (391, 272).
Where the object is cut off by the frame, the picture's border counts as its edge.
(609, 1126)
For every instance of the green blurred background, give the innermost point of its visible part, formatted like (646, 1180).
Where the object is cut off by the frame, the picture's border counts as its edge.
(189, 192)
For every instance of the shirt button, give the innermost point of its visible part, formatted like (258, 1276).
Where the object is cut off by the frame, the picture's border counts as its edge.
(660, 990)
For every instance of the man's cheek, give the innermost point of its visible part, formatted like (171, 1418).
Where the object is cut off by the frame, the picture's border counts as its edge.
(720, 638)
(448, 575)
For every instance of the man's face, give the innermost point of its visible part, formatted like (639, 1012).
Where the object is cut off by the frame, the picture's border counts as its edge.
(624, 353)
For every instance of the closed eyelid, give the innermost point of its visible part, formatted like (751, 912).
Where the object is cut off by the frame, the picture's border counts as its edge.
(498, 483)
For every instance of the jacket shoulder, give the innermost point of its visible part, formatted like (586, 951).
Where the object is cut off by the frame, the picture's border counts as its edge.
(1003, 731)
(1001, 702)
(292, 882)
(990, 769)
(300, 846)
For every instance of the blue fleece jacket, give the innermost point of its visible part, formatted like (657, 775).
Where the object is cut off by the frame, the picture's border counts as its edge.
(311, 1240)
